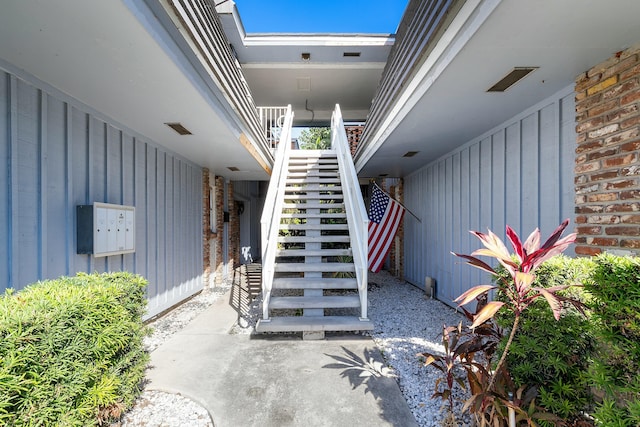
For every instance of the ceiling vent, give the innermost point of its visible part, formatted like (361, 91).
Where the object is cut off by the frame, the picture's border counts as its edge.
(233, 168)
(514, 76)
(179, 128)
(303, 84)
(410, 153)
(351, 54)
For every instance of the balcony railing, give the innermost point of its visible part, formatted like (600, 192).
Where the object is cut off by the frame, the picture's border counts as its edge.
(421, 27)
(272, 120)
(202, 28)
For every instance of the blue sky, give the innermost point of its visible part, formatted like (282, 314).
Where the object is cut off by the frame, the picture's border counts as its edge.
(321, 16)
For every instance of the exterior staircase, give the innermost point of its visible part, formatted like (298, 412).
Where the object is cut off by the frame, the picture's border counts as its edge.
(314, 283)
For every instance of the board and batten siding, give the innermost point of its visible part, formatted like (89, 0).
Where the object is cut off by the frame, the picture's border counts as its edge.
(518, 174)
(56, 154)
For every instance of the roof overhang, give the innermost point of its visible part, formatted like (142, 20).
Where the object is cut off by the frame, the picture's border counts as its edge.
(312, 72)
(122, 62)
(447, 104)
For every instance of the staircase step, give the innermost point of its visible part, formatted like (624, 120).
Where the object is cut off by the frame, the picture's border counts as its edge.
(314, 180)
(337, 196)
(314, 239)
(314, 323)
(313, 174)
(308, 188)
(342, 301)
(296, 154)
(328, 267)
(312, 167)
(310, 205)
(314, 283)
(313, 252)
(340, 215)
(314, 227)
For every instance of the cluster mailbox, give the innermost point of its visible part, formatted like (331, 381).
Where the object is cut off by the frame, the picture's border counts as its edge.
(105, 229)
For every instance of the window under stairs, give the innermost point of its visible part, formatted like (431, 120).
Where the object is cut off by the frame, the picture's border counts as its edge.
(316, 283)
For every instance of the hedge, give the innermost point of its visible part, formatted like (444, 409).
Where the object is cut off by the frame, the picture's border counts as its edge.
(616, 368)
(554, 355)
(71, 350)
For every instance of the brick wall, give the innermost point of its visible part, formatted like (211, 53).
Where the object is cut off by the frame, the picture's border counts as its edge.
(353, 136)
(607, 170)
(395, 258)
(206, 228)
(219, 189)
(233, 248)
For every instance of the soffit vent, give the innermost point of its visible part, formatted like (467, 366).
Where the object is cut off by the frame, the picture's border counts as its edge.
(179, 128)
(513, 77)
(410, 153)
(303, 84)
(351, 54)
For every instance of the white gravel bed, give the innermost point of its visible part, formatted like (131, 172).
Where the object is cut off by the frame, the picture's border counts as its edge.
(406, 323)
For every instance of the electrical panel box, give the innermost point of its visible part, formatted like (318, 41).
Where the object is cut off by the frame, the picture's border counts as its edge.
(104, 229)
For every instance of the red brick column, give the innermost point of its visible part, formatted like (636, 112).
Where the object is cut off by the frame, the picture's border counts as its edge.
(607, 170)
(234, 230)
(206, 227)
(219, 207)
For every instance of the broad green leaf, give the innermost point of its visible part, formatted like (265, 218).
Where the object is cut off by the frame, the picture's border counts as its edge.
(486, 313)
(473, 293)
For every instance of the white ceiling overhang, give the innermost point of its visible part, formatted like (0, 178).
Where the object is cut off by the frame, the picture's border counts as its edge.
(278, 75)
(447, 104)
(118, 58)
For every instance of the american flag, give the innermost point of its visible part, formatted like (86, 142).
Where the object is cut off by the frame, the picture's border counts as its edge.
(385, 215)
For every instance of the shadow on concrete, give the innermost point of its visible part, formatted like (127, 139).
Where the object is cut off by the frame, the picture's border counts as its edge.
(371, 372)
(247, 284)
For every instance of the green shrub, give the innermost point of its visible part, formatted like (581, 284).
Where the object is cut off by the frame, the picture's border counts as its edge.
(616, 368)
(551, 355)
(71, 350)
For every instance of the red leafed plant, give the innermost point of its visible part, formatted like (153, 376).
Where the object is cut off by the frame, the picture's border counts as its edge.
(492, 390)
(518, 290)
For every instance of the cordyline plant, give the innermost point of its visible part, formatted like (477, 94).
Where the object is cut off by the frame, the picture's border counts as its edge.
(517, 290)
(492, 389)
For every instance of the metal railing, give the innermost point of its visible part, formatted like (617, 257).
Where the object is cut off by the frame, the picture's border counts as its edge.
(357, 217)
(201, 26)
(272, 120)
(272, 211)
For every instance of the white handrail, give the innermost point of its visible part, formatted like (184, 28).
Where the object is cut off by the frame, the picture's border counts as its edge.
(357, 217)
(272, 211)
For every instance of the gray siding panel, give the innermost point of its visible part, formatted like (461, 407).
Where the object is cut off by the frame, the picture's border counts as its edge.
(5, 181)
(56, 154)
(519, 173)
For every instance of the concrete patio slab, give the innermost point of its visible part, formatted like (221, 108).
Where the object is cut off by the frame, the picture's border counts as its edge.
(276, 381)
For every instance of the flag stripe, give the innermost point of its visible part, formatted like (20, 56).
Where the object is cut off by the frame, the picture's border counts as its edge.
(385, 242)
(385, 216)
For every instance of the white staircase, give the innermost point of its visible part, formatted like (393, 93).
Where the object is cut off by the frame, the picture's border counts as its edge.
(317, 282)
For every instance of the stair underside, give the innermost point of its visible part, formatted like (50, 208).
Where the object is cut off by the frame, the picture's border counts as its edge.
(314, 323)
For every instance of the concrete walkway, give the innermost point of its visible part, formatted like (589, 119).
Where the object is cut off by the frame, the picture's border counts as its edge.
(277, 381)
